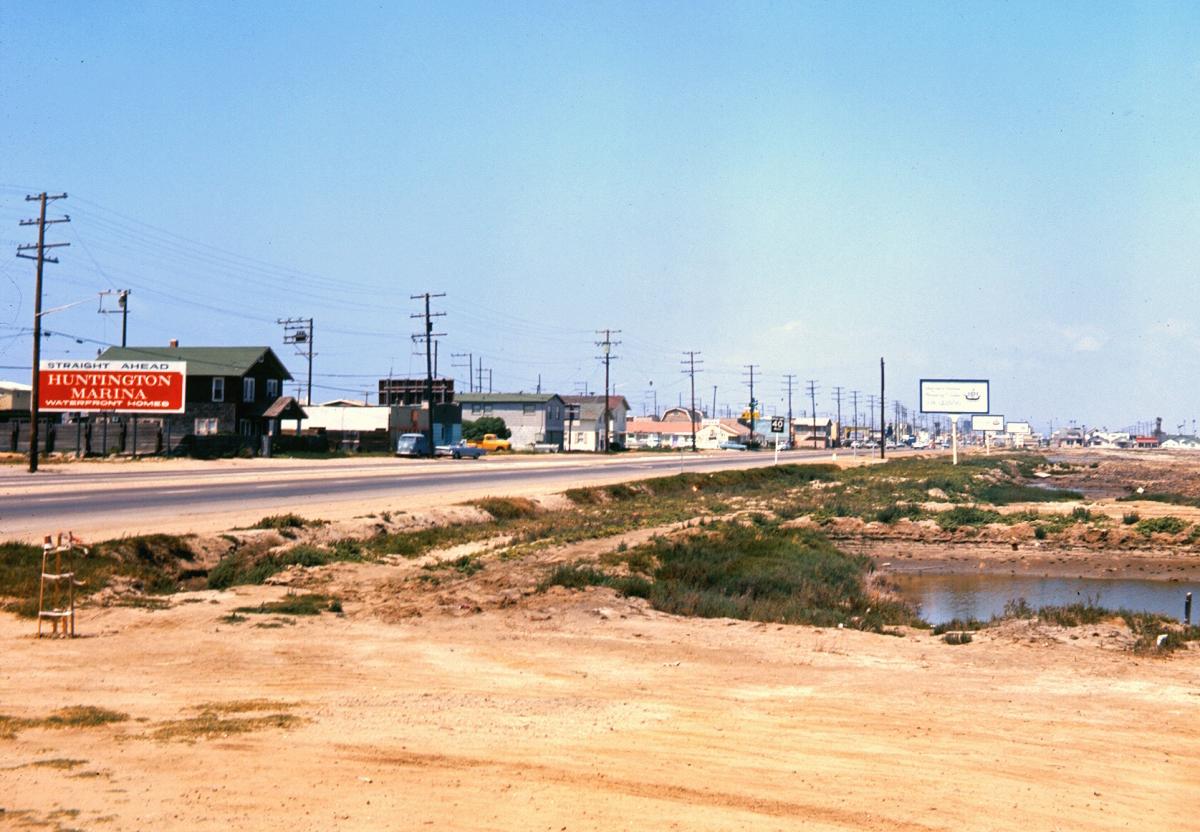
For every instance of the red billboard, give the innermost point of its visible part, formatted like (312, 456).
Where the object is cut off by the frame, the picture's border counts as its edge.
(112, 386)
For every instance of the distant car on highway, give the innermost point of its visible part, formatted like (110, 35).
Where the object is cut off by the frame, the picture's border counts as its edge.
(460, 449)
(730, 445)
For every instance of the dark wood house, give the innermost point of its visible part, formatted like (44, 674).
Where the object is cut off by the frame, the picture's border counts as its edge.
(230, 390)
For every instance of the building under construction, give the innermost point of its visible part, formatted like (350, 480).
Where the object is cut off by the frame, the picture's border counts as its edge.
(411, 391)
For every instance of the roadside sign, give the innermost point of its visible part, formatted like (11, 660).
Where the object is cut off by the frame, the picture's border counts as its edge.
(777, 424)
(990, 422)
(954, 396)
(112, 386)
(1020, 428)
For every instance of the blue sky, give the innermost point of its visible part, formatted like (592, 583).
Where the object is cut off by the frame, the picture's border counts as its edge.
(1006, 191)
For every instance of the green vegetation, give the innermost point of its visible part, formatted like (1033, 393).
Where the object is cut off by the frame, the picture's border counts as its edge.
(477, 429)
(1168, 524)
(287, 521)
(507, 508)
(252, 565)
(309, 604)
(1146, 627)
(960, 516)
(1002, 494)
(1129, 518)
(1171, 497)
(151, 564)
(749, 572)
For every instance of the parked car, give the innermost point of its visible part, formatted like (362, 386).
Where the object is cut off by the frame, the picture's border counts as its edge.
(492, 442)
(730, 445)
(412, 444)
(461, 449)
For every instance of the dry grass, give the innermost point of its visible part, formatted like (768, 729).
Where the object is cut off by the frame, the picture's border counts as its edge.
(224, 719)
(75, 716)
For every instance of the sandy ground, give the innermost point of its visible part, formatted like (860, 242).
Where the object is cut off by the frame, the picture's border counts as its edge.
(478, 704)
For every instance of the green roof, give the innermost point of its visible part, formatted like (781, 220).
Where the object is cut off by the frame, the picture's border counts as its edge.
(201, 361)
(505, 398)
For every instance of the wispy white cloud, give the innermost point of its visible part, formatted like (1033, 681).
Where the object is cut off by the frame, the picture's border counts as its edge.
(1084, 338)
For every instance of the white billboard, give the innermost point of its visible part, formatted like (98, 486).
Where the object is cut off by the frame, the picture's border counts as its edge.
(1019, 428)
(988, 423)
(954, 396)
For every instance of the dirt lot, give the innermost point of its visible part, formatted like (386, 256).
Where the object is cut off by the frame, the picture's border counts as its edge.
(447, 699)
(474, 705)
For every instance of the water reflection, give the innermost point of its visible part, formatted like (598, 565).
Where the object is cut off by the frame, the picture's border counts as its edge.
(945, 597)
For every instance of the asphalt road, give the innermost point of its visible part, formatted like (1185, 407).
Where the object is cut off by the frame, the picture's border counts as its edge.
(105, 499)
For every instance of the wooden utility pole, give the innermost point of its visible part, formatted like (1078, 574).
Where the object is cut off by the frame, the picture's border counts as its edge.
(750, 368)
(790, 378)
(22, 251)
(812, 395)
(882, 413)
(427, 336)
(299, 331)
(606, 356)
(691, 371)
(837, 397)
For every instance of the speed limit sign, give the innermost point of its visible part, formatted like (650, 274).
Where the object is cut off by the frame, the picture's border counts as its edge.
(777, 424)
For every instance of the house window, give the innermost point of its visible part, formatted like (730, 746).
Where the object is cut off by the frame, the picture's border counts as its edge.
(272, 388)
(205, 427)
(247, 389)
(528, 408)
(474, 408)
(244, 427)
(218, 390)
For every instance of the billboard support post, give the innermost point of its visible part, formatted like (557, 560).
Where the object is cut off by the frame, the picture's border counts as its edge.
(954, 437)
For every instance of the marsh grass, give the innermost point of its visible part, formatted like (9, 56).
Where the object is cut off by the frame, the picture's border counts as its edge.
(308, 604)
(507, 508)
(731, 570)
(287, 521)
(1168, 524)
(253, 564)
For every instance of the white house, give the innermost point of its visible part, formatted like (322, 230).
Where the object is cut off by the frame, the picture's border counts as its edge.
(532, 418)
(584, 429)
